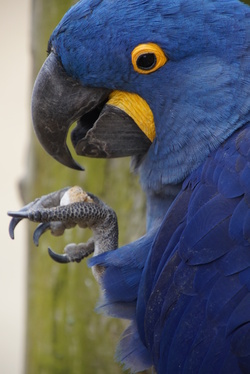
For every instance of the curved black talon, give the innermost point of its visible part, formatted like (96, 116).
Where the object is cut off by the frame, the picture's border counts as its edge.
(12, 226)
(41, 228)
(16, 218)
(62, 259)
(18, 214)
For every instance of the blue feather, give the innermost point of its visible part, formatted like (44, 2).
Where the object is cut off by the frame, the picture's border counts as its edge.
(131, 352)
(235, 261)
(224, 296)
(237, 222)
(244, 277)
(240, 315)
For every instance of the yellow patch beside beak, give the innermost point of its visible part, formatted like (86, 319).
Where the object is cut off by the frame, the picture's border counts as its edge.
(137, 108)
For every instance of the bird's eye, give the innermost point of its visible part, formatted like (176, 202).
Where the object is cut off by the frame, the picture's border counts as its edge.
(147, 58)
(146, 61)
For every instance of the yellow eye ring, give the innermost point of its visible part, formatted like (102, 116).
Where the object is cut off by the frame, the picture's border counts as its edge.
(147, 58)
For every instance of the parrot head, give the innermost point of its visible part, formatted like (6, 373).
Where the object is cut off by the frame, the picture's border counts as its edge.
(162, 81)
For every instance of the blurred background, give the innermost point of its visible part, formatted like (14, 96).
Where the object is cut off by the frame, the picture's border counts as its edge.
(15, 64)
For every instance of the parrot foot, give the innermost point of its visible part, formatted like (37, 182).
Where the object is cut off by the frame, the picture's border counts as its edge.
(65, 209)
(47, 201)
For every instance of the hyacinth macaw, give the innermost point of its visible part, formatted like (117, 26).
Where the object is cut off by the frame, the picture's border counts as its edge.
(168, 83)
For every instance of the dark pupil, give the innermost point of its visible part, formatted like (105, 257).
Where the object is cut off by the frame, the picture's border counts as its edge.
(146, 61)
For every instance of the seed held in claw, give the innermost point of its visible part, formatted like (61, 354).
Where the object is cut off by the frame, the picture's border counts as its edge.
(74, 195)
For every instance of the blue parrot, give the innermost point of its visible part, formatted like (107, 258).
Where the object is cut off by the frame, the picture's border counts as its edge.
(168, 83)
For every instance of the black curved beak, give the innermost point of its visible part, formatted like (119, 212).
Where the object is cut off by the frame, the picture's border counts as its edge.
(57, 101)
(102, 130)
